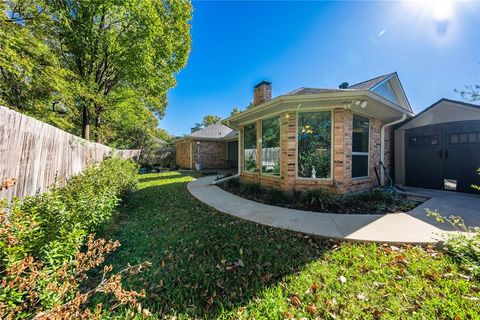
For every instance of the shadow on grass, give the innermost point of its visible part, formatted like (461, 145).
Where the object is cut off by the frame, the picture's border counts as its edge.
(204, 262)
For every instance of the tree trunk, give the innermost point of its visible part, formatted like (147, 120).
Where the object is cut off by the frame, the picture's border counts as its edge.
(85, 123)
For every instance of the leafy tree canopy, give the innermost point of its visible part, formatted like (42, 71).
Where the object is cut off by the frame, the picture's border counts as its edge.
(207, 121)
(98, 60)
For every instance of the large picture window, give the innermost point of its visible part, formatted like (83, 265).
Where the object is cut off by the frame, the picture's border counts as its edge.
(250, 147)
(271, 146)
(314, 144)
(360, 134)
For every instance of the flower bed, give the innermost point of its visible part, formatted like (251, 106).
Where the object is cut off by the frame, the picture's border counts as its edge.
(320, 200)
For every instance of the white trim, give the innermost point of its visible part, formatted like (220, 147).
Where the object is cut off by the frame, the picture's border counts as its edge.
(256, 146)
(279, 145)
(362, 153)
(332, 151)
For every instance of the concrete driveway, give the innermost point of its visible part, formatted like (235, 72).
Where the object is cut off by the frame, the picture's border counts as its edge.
(447, 203)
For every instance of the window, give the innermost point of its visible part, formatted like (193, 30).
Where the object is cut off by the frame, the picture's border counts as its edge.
(250, 147)
(271, 146)
(423, 141)
(314, 144)
(360, 137)
(471, 137)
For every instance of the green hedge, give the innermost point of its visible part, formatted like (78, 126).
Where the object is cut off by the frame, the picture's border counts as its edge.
(52, 226)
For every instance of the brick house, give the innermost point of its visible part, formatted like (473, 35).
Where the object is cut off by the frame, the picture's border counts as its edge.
(215, 147)
(320, 138)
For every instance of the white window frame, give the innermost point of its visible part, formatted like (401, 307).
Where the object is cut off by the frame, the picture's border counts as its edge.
(332, 137)
(361, 153)
(243, 147)
(279, 144)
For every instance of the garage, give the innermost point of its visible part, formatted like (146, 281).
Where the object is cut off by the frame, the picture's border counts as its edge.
(440, 148)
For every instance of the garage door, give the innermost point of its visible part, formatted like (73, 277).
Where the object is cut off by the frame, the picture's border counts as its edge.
(443, 156)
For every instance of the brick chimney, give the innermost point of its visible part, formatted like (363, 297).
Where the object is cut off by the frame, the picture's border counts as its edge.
(262, 92)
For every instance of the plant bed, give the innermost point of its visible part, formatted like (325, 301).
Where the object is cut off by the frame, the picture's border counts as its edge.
(320, 200)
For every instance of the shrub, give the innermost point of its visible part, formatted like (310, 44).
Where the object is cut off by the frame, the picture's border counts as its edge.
(232, 183)
(251, 188)
(48, 229)
(319, 198)
(377, 195)
(275, 195)
(463, 246)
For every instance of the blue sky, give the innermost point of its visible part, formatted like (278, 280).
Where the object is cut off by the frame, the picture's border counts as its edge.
(435, 48)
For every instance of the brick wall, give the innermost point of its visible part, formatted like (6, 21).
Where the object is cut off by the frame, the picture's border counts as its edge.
(212, 153)
(341, 181)
(182, 155)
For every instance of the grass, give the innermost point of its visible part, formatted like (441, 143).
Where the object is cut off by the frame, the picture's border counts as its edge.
(206, 264)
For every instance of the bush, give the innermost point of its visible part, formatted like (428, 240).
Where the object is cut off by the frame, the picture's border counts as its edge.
(275, 195)
(377, 195)
(319, 198)
(463, 246)
(232, 183)
(251, 188)
(48, 229)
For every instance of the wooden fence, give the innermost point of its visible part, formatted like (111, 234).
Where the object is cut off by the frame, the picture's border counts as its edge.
(36, 154)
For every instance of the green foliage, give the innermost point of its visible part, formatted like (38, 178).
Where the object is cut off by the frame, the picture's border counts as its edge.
(235, 111)
(277, 196)
(207, 121)
(210, 265)
(119, 58)
(377, 195)
(319, 198)
(463, 245)
(251, 188)
(52, 225)
(314, 144)
(232, 183)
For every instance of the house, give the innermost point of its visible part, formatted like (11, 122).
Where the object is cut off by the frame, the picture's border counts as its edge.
(214, 147)
(320, 138)
(440, 147)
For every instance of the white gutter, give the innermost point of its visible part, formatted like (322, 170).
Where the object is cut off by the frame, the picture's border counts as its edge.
(382, 145)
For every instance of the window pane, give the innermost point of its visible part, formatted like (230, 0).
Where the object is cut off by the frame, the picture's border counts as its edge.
(314, 144)
(360, 134)
(463, 138)
(271, 146)
(250, 147)
(359, 166)
(472, 138)
(454, 139)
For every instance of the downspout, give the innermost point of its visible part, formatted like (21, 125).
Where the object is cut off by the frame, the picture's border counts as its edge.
(382, 144)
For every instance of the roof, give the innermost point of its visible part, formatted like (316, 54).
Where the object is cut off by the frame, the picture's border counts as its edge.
(364, 85)
(303, 90)
(461, 103)
(214, 132)
(369, 84)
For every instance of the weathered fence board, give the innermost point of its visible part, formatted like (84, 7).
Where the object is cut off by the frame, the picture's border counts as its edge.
(37, 154)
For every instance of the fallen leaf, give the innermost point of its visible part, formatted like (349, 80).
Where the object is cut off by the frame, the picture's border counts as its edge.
(295, 300)
(146, 313)
(312, 309)
(288, 315)
(314, 287)
(342, 279)
(361, 296)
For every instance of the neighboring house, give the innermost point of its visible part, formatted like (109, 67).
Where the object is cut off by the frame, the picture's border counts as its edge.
(440, 147)
(215, 147)
(319, 138)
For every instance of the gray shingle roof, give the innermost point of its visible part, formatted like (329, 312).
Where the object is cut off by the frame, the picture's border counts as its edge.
(365, 85)
(368, 84)
(216, 131)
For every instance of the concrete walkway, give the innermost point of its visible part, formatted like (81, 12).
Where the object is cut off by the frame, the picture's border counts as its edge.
(393, 228)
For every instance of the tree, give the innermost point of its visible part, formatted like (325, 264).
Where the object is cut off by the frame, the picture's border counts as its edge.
(235, 111)
(32, 80)
(207, 121)
(119, 51)
(470, 93)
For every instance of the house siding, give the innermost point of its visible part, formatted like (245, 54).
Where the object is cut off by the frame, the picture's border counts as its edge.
(212, 153)
(341, 180)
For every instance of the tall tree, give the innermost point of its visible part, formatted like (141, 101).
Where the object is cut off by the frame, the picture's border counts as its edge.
(119, 50)
(235, 111)
(470, 93)
(207, 121)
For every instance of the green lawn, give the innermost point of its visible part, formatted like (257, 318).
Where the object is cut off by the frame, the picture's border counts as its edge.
(206, 264)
